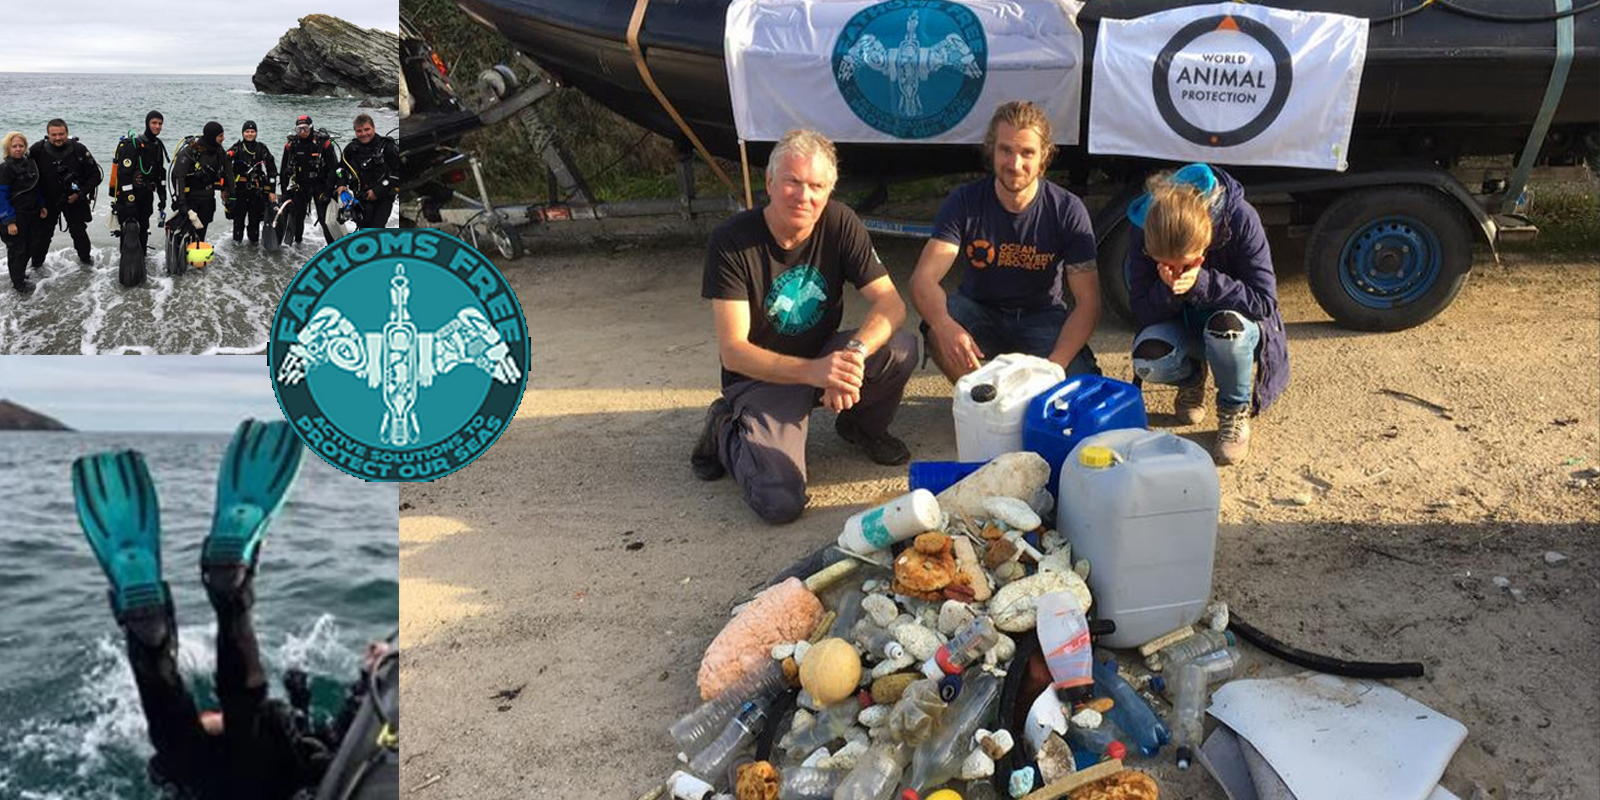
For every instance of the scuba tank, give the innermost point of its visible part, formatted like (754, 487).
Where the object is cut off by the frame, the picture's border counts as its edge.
(367, 766)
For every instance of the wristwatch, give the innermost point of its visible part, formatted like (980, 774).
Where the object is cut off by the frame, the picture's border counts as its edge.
(857, 346)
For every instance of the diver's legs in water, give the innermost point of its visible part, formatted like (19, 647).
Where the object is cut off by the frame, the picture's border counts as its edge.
(241, 682)
(169, 710)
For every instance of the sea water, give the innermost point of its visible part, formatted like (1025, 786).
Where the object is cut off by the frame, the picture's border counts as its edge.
(70, 714)
(225, 307)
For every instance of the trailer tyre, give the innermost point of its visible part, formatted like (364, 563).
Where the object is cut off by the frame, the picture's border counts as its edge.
(506, 241)
(1112, 258)
(1388, 259)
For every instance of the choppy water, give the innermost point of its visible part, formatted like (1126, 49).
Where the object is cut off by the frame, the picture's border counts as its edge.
(224, 308)
(70, 720)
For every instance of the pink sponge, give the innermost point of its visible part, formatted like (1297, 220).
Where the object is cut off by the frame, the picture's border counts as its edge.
(786, 612)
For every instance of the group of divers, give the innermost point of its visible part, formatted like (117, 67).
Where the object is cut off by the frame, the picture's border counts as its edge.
(255, 747)
(55, 182)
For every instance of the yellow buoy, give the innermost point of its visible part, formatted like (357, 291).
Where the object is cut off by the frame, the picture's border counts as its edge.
(831, 671)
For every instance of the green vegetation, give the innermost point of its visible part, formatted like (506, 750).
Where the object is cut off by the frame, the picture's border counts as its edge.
(1568, 216)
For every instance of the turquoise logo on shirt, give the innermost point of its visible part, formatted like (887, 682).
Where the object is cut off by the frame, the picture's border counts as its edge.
(797, 300)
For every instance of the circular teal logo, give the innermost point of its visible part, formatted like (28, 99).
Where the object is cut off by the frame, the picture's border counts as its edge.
(911, 68)
(399, 355)
(796, 300)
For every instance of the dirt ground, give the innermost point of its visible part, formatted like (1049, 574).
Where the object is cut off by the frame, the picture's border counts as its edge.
(557, 594)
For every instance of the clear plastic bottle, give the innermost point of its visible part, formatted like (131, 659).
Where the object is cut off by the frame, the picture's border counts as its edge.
(809, 783)
(939, 758)
(712, 763)
(1131, 714)
(696, 728)
(966, 646)
(849, 613)
(1197, 645)
(879, 643)
(876, 775)
(831, 724)
(1191, 685)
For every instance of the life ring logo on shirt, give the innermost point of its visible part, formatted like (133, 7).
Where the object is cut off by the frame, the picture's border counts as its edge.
(1222, 80)
(980, 252)
(911, 68)
(797, 299)
(399, 355)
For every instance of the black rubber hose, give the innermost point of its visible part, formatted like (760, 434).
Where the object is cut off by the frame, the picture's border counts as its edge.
(1016, 673)
(1490, 16)
(1321, 663)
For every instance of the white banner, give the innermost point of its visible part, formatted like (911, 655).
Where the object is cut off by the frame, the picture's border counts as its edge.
(900, 70)
(1228, 83)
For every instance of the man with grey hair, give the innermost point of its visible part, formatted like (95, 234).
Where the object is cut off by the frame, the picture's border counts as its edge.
(775, 277)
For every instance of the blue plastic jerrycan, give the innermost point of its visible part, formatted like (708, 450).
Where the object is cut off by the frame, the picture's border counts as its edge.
(1075, 409)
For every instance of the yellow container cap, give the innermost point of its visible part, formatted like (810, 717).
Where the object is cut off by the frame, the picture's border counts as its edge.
(1096, 457)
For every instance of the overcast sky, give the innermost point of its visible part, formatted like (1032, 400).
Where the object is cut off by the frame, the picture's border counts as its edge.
(163, 36)
(141, 393)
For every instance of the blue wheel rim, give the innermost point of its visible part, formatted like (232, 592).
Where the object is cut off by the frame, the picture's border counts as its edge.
(1390, 262)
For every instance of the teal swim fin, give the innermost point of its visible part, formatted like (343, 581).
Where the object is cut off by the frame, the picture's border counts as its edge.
(257, 471)
(118, 511)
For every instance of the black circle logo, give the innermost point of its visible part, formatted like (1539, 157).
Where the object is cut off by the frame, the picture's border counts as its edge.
(1282, 81)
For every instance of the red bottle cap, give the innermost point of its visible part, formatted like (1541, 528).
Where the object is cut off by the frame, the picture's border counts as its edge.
(910, 794)
(942, 658)
(864, 697)
(1116, 749)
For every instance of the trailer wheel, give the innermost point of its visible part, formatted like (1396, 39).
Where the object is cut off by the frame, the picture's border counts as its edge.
(506, 241)
(1112, 258)
(1388, 259)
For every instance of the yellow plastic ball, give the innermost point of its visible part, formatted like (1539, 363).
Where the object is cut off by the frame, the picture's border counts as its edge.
(831, 671)
(944, 794)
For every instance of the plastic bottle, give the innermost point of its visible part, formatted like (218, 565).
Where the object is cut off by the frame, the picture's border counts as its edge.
(849, 613)
(712, 762)
(876, 775)
(1064, 639)
(939, 758)
(966, 646)
(878, 642)
(1191, 685)
(696, 728)
(809, 783)
(1217, 665)
(1203, 642)
(831, 724)
(1131, 714)
(1100, 742)
(901, 518)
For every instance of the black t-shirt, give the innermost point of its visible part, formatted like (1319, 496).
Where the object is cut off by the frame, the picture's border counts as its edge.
(1018, 261)
(796, 296)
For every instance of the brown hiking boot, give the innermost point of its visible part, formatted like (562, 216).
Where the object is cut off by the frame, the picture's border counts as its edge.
(1189, 407)
(1233, 434)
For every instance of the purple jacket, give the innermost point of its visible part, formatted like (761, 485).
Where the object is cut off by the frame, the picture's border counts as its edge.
(1237, 276)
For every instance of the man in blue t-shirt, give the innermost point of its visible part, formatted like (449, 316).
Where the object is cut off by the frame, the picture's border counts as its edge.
(1032, 285)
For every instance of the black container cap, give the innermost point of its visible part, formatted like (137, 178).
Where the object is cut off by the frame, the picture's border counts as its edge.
(984, 393)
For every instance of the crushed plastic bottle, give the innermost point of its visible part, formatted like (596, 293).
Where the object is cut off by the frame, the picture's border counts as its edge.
(916, 715)
(1100, 742)
(1199, 644)
(1130, 713)
(879, 643)
(809, 783)
(876, 774)
(849, 613)
(1191, 684)
(966, 646)
(831, 724)
(696, 728)
(939, 757)
(712, 763)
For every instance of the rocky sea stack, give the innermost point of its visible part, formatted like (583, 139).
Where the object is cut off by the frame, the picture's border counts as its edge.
(330, 57)
(16, 418)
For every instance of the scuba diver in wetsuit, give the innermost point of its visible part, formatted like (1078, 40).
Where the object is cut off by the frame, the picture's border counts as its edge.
(200, 167)
(68, 175)
(138, 172)
(22, 208)
(259, 749)
(371, 169)
(306, 177)
(255, 174)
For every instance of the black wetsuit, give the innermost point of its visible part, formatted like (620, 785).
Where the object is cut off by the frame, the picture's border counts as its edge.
(255, 173)
(307, 173)
(200, 169)
(20, 201)
(374, 167)
(63, 172)
(140, 174)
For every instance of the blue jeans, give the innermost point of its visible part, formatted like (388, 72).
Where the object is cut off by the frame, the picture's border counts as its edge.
(1229, 347)
(997, 330)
